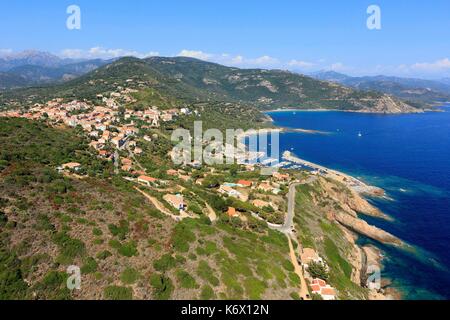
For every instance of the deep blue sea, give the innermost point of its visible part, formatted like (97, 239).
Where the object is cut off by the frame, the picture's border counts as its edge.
(408, 156)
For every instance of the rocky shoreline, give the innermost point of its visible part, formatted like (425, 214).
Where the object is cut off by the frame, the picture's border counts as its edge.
(364, 259)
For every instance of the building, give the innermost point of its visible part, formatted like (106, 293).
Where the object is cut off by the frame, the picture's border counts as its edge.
(229, 191)
(75, 166)
(309, 255)
(265, 187)
(261, 203)
(126, 161)
(231, 212)
(126, 167)
(279, 176)
(104, 154)
(320, 287)
(118, 141)
(166, 117)
(147, 180)
(245, 183)
(176, 201)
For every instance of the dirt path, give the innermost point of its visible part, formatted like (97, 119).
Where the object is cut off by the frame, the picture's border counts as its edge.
(158, 205)
(298, 270)
(211, 213)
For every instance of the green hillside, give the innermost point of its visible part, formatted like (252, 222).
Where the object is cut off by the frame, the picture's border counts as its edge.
(125, 247)
(190, 81)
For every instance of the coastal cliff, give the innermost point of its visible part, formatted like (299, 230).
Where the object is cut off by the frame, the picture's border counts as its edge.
(388, 105)
(327, 220)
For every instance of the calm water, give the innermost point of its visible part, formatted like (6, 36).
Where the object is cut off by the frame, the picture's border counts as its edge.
(408, 156)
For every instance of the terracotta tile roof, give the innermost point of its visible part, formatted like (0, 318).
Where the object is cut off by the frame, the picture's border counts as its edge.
(328, 292)
(147, 179)
(315, 288)
(231, 212)
(245, 183)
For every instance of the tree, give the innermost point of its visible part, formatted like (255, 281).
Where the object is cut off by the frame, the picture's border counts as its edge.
(318, 270)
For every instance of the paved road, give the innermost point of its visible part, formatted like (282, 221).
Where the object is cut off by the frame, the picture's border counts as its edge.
(288, 226)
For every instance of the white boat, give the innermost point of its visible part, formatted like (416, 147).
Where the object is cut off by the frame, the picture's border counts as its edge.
(360, 135)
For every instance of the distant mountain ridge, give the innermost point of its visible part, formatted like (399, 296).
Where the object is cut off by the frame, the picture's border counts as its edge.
(196, 81)
(31, 67)
(30, 57)
(411, 89)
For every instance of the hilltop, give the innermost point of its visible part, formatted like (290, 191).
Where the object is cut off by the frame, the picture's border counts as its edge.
(192, 81)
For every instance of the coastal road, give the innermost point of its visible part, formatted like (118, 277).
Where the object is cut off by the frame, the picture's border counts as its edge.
(288, 226)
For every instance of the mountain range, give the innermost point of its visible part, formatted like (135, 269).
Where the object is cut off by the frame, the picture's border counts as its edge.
(29, 68)
(411, 89)
(194, 81)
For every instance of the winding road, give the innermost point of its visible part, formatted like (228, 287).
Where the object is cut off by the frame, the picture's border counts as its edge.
(288, 226)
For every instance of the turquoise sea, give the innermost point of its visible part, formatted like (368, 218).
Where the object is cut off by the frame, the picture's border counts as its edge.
(408, 156)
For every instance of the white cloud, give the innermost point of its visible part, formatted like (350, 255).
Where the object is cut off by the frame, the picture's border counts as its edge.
(338, 66)
(194, 54)
(102, 53)
(436, 66)
(5, 52)
(264, 61)
(301, 64)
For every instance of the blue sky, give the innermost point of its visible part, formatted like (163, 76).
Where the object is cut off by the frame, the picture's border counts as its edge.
(298, 35)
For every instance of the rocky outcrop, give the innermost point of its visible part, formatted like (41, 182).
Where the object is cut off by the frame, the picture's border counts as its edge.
(362, 227)
(351, 201)
(389, 105)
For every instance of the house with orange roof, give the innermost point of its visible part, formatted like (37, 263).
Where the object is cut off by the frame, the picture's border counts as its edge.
(176, 201)
(231, 212)
(280, 176)
(72, 166)
(147, 180)
(320, 287)
(245, 183)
